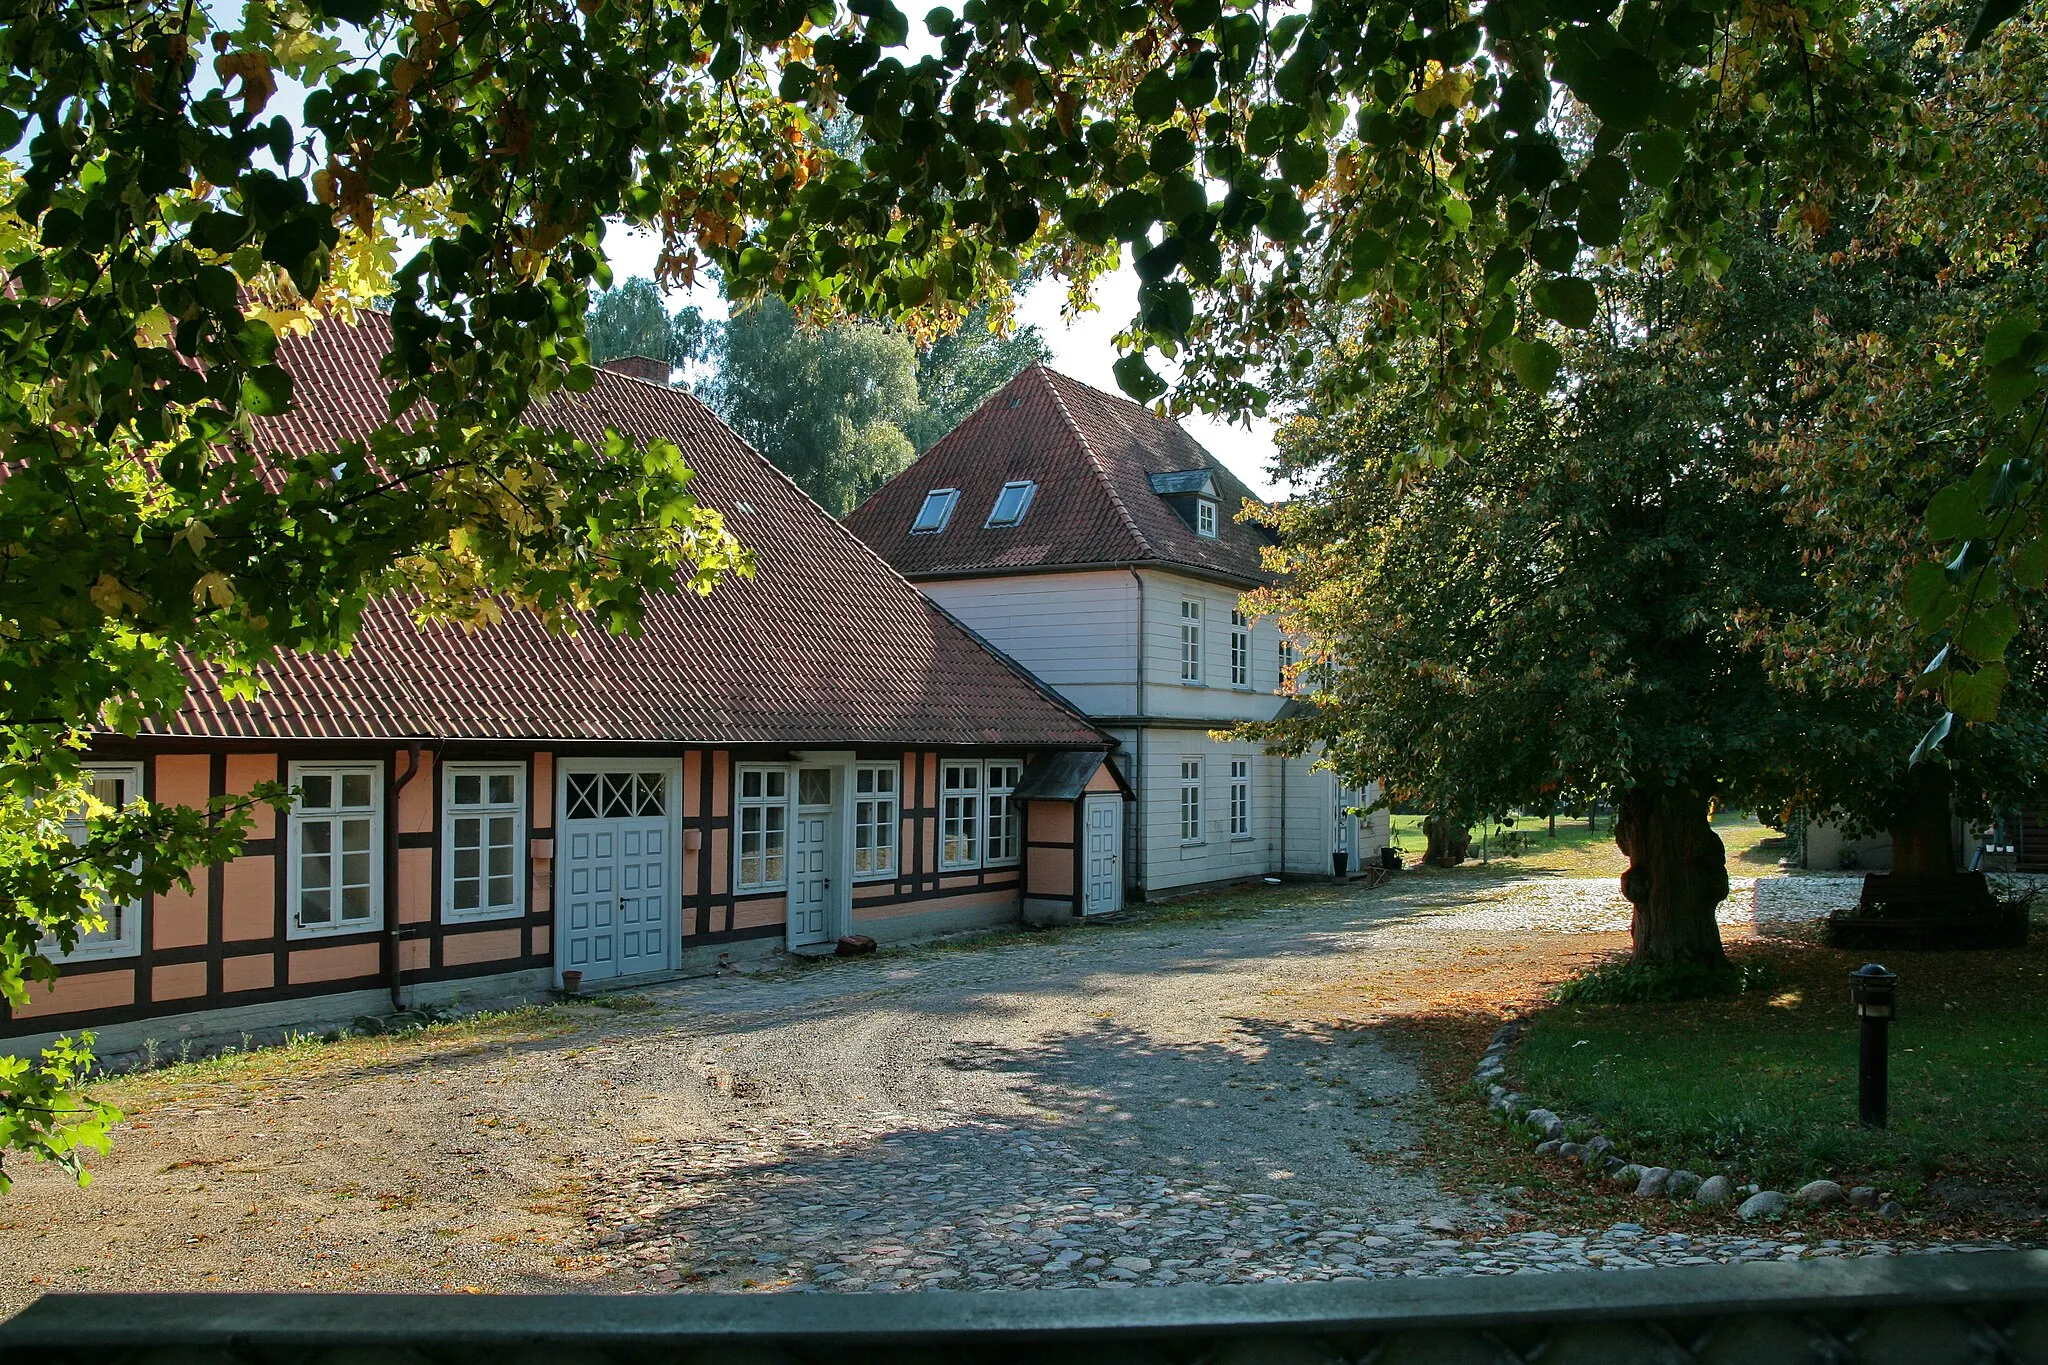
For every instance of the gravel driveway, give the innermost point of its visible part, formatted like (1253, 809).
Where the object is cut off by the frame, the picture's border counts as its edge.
(1146, 1103)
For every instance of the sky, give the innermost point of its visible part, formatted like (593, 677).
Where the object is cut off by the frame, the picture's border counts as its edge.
(1082, 347)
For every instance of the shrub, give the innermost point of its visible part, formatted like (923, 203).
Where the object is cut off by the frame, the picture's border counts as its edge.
(1625, 982)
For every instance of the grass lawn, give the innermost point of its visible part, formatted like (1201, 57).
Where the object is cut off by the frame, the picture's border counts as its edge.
(1765, 1085)
(1577, 851)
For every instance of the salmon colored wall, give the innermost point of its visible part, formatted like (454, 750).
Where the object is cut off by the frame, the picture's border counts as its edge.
(416, 798)
(95, 991)
(755, 914)
(333, 964)
(693, 784)
(955, 883)
(179, 916)
(540, 939)
(931, 779)
(542, 797)
(249, 899)
(1103, 781)
(540, 896)
(244, 772)
(721, 784)
(872, 890)
(931, 847)
(721, 861)
(254, 973)
(925, 907)
(460, 950)
(415, 954)
(1049, 822)
(177, 981)
(415, 885)
(1052, 871)
(183, 779)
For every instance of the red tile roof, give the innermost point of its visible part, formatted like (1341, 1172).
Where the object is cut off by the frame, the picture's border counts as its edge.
(1092, 455)
(826, 645)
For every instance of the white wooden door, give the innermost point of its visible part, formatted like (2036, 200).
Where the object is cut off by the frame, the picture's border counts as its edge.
(810, 864)
(618, 902)
(1102, 820)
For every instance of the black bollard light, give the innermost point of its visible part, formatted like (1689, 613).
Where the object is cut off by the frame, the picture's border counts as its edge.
(1874, 992)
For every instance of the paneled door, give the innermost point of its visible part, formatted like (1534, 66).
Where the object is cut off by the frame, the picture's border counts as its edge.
(617, 907)
(1102, 833)
(810, 859)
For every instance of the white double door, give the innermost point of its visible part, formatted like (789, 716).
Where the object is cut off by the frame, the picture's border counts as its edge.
(812, 847)
(1102, 854)
(617, 905)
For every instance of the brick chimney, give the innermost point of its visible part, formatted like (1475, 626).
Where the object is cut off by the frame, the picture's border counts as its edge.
(639, 367)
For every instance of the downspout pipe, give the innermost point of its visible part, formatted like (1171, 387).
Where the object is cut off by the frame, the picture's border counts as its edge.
(1138, 818)
(391, 926)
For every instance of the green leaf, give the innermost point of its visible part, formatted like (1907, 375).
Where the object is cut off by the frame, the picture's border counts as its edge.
(267, 391)
(1924, 588)
(1135, 376)
(1986, 632)
(1620, 88)
(2006, 338)
(1954, 514)
(1931, 741)
(1989, 19)
(1155, 98)
(1536, 364)
(1171, 150)
(2030, 563)
(1600, 222)
(1555, 248)
(1566, 300)
(1285, 219)
(2010, 384)
(1974, 696)
(1657, 157)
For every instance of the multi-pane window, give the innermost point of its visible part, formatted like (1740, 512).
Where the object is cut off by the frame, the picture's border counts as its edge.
(874, 820)
(1240, 798)
(1286, 661)
(337, 835)
(1004, 838)
(615, 795)
(1012, 503)
(1191, 801)
(1190, 640)
(483, 823)
(936, 511)
(1205, 518)
(1240, 650)
(763, 808)
(960, 812)
(113, 786)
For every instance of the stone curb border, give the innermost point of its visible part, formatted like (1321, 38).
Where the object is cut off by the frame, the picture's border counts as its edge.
(1597, 1153)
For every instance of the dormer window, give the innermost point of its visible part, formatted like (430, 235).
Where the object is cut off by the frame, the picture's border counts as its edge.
(936, 512)
(1012, 503)
(1205, 518)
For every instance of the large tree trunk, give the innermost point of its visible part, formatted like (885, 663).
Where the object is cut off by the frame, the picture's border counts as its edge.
(1921, 843)
(1677, 874)
(1449, 841)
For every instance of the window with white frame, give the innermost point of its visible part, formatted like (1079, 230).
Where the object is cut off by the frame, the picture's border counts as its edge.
(1191, 801)
(936, 511)
(337, 842)
(483, 823)
(1012, 503)
(1205, 518)
(763, 812)
(1190, 640)
(1286, 662)
(113, 786)
(1004, 836)
(1240, 798)
(960, 813)
(874, 819)
(1240, 650)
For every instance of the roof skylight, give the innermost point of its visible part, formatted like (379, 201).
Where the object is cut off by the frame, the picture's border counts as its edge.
(1012, 503)
(936, 512)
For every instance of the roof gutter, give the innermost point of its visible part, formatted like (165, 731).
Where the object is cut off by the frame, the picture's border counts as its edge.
(391, 924)
(1138, 806)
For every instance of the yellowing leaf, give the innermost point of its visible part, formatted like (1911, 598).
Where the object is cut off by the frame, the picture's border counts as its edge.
(1445, 93)
(216, 587)
(254, 69)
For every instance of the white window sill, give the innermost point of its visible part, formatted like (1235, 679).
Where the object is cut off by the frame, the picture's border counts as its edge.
(1193, 843)
(865, 878)
(779, 890)
(997, 867)
(483, 916)
(1192, 682)
(296, 932)
(1244, 838)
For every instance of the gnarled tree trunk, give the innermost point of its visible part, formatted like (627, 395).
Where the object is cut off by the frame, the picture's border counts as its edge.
(1677, 873)
(1449, 841)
